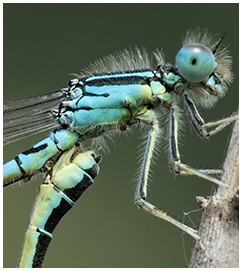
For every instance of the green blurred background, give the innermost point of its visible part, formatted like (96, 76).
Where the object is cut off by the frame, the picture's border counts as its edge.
(43, 44)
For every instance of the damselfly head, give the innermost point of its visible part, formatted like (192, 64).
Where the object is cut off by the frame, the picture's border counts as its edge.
(204, 62)
(195, 62)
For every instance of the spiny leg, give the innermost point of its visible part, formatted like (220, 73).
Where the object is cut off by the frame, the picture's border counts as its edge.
(175, 162)
(141, 190)
(200, 125)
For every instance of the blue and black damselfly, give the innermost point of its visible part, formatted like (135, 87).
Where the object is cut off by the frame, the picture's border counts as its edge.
(126, 89)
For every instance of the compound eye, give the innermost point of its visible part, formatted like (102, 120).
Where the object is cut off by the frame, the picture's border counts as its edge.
(195, 62)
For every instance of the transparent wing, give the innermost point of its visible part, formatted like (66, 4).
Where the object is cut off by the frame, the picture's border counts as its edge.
(28, 116)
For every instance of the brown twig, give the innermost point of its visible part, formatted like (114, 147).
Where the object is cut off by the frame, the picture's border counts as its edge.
(219, 227)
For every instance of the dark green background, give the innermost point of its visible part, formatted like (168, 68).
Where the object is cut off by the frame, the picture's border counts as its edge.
(43, 43)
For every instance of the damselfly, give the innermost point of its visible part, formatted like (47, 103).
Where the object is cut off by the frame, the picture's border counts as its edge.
(116, 93)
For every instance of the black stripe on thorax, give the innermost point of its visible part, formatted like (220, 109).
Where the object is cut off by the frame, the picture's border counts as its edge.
(122, 80)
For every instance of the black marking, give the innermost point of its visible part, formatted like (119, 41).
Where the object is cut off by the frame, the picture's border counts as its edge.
(11, 182)
(168, 68)
(88, 108)
(141, 190)
(56, 188)
(98, 159)
(105, 74)
(75, 193)
(40, 251)
(73, 82)
(93, 171)
(194, 61)
(122, 80)
(35, 149)
(55, 140)
(147, 80)
(193, 114)
(71, 109)
(172, 140)
(209, 89)
(19, 163)
(89, 94)
(56, 215)
(96, 95)
(25, 177)
(216, 75)
(219, 42)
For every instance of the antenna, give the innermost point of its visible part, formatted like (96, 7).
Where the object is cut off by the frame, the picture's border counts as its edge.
(215, 49)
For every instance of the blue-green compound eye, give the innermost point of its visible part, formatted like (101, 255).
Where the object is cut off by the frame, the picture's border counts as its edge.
(195, 62)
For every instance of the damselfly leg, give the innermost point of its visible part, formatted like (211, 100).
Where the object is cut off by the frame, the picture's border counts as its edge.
(175, 163)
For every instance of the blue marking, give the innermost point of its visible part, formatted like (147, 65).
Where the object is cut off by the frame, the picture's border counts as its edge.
(45, 232)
